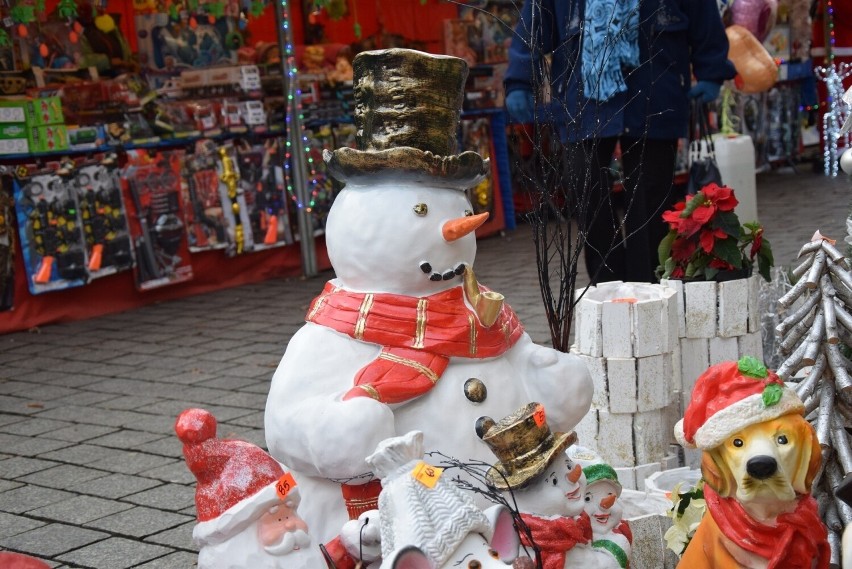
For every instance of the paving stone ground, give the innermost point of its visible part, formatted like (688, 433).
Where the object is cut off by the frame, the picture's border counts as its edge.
(91, 474)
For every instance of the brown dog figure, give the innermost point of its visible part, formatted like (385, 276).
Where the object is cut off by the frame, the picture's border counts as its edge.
(760, 458)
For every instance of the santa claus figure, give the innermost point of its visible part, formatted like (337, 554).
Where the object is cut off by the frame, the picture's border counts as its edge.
(246, 503)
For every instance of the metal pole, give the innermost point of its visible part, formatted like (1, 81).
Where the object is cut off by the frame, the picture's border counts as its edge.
(298, 169)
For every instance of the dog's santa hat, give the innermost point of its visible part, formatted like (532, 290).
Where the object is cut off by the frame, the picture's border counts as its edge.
(236, 479)
(731, 396)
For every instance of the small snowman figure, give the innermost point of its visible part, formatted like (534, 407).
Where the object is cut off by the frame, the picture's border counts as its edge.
(404, 338)
(246, 504)
(612, 538)
(548, 487)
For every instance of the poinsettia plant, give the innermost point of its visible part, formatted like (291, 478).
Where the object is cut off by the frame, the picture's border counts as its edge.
(705, 238)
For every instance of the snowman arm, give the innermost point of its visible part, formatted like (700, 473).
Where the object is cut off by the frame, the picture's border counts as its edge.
(558, 380)
(325, 437)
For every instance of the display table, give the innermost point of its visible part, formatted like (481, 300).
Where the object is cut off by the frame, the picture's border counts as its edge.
(212, 270)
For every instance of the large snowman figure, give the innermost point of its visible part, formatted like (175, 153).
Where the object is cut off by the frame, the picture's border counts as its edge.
(404, 338)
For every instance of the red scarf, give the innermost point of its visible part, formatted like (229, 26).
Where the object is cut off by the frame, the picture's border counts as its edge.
(418, 336)
(795, 541)
(555, 537)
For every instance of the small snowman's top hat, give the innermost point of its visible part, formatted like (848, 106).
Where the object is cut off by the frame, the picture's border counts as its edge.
(407, 111)
(523, 444)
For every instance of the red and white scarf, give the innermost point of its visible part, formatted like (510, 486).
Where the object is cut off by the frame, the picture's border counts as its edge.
(796, 541)
(556, 536)
(418, 336)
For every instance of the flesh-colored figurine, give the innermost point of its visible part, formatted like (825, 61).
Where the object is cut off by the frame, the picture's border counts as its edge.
(404, 338)
(760, 458)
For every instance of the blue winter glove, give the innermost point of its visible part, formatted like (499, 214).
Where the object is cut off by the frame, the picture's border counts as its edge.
(706, 91)
(520, 106)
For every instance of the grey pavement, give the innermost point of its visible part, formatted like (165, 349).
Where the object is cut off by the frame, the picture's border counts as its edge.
(91, 473)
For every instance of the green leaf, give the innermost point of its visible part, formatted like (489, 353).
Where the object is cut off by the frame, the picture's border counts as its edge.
(728, 251)
(728, 222)
(664, 251)
(763, 267)
(357, 28)
(710, 273)
(772, 394)
(669, 267)
(692, 204)
(752, 367)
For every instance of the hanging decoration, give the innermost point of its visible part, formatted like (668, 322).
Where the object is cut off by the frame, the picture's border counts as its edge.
(832, 139)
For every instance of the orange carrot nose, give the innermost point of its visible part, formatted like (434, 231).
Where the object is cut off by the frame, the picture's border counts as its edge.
(606, 503)
(461, 226)
(575, 474)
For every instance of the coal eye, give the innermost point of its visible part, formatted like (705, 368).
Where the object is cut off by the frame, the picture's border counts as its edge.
(588, 498)
(468, 213)
(782, 439)
(474, 564)
(421, 209)
(554, 481)
(738, 443)
(493, 553)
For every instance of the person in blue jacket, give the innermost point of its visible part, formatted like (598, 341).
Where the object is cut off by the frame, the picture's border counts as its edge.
(620, 71)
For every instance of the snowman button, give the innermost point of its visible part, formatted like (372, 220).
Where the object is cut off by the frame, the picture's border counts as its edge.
(475, 390)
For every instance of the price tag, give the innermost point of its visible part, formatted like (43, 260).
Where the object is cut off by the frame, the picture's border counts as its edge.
(538, 415)
(284, 485)
(426, 474)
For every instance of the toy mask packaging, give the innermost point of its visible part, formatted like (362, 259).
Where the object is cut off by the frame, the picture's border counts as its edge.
(51, 233)
(262, 183)
(103, 215)
(7, 245)
(156, 218)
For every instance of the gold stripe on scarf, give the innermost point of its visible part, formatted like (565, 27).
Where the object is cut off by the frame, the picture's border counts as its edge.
(320, 301)
(361, 324)
(370, 390)
(422, 369)
(472, 323)
(420, 332)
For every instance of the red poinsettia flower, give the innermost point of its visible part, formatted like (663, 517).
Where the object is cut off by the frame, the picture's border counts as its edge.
(721, 265)
(678, 273)
(682, 249)
(673, 218)
(716, 197)
(708, 238)
(757, 243)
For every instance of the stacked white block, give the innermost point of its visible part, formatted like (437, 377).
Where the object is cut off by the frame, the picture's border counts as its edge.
(627, 333)
(716, 322)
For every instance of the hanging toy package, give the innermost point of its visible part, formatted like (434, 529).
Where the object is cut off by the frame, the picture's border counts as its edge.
(156, 218)
(205, 218)
(52, 240)
(103, 215)
(7, 245)
(262, 183)
(240, 238)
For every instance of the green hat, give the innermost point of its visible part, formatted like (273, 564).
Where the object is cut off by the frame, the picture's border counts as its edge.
(600, 472)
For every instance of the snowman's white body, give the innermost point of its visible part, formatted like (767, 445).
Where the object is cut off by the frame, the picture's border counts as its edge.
(376, 244)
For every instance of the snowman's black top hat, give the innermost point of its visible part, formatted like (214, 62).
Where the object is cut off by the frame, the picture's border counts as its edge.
(407, 109)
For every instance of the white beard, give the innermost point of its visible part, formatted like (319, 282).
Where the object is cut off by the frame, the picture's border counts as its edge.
(245, 550)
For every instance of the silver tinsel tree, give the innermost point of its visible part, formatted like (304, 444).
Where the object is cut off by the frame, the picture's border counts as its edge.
(816, 332)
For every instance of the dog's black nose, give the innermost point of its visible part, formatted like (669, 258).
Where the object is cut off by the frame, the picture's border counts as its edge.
(761, 467)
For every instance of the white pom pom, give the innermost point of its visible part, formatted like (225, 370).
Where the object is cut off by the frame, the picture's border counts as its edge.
(846, 161)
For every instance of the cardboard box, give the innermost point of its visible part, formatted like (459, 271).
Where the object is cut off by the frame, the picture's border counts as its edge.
(86, 137)
(45, 111)
(13, 139)
(48, 138)
(13, 111)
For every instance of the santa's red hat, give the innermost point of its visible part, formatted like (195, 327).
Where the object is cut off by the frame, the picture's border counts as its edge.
(236, 479)
(731, 396)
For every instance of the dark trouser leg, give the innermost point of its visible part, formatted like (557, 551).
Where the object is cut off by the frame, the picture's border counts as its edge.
(648, 192)
(587, 171)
